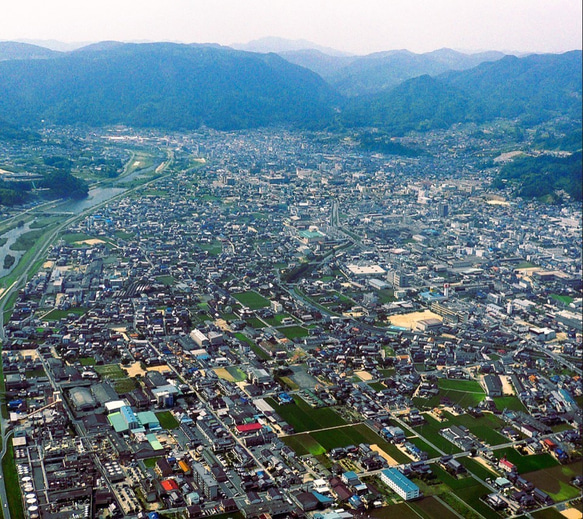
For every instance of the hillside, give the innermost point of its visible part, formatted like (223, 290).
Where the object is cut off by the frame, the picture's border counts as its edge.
(532, 89)
(15, 50)
(373, 73)
(542, 176)
(163, 85)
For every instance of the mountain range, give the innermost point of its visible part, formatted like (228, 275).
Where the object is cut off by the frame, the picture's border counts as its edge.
(186, 86)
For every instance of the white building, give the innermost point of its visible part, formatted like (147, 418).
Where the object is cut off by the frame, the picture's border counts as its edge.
(402, 486)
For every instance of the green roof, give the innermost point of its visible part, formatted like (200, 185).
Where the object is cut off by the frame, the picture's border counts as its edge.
(148, 418)
(154, 442)
(117, 422)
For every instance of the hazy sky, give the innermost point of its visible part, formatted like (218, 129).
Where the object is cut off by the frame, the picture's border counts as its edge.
(357, 26)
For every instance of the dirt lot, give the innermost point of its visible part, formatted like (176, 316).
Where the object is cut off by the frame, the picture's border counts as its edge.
(363, 375)
(410, 320)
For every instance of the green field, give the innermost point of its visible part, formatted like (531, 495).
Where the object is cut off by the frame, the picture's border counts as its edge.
(555, 480)
(431, 452)
(251, 300)
(304, 444)
(254, 322)
(121, 382)
(319, 442)
(471, 495)
(567, 300)
(465, 393)
(56, 315)
(450, 481)
(238, 374)
(11, 482)
(400, 510)
(430, 430)
(527, 463)
(167, 420)
(150, 462)
(71, 238)
(303, 417)
(294, 332)
(548, 513)
(431, 508)
(511, 403)
(468, 386)
(483, 427)
(477, 468)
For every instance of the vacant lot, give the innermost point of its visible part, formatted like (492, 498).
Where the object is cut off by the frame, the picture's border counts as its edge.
(302, 417)
(251, 300)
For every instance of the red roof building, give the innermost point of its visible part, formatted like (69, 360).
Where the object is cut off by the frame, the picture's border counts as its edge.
(169, 485)
(248, 428)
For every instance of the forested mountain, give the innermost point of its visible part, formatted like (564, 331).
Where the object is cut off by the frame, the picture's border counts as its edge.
(163, 85)
(16, 50)
(532, 89)
(176, 86)
(373, 73)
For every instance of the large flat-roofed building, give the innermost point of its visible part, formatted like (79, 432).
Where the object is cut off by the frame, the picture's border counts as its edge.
(402, 486)
(366, 270)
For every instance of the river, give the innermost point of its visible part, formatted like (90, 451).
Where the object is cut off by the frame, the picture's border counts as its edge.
(96, 196)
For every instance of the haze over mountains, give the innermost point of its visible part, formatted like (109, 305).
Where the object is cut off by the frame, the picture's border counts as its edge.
(179, 86)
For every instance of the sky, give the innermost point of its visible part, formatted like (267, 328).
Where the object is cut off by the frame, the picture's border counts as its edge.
(354, 26)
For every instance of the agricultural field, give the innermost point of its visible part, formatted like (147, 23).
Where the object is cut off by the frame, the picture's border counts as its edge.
(477, 468)
(528, 463)
(431, 507)
(251, 300)
(512, 403)
(400, 510)
(56, 315)
(471, 496)
(555, 481)
(466, 393)
(231, 373)
(303, 417)
(468, 386)
(121, 382)
(320, 442)
(167, 420)
(430, 430)
(484, 427)
(294, 332)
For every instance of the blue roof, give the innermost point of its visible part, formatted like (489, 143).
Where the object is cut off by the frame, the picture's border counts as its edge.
(565, 394)
(406, 484)
(322, 498)
(128, 414)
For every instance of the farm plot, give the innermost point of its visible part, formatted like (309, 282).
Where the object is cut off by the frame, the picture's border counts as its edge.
(555, 480)
(302, 417)
(251, 300)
